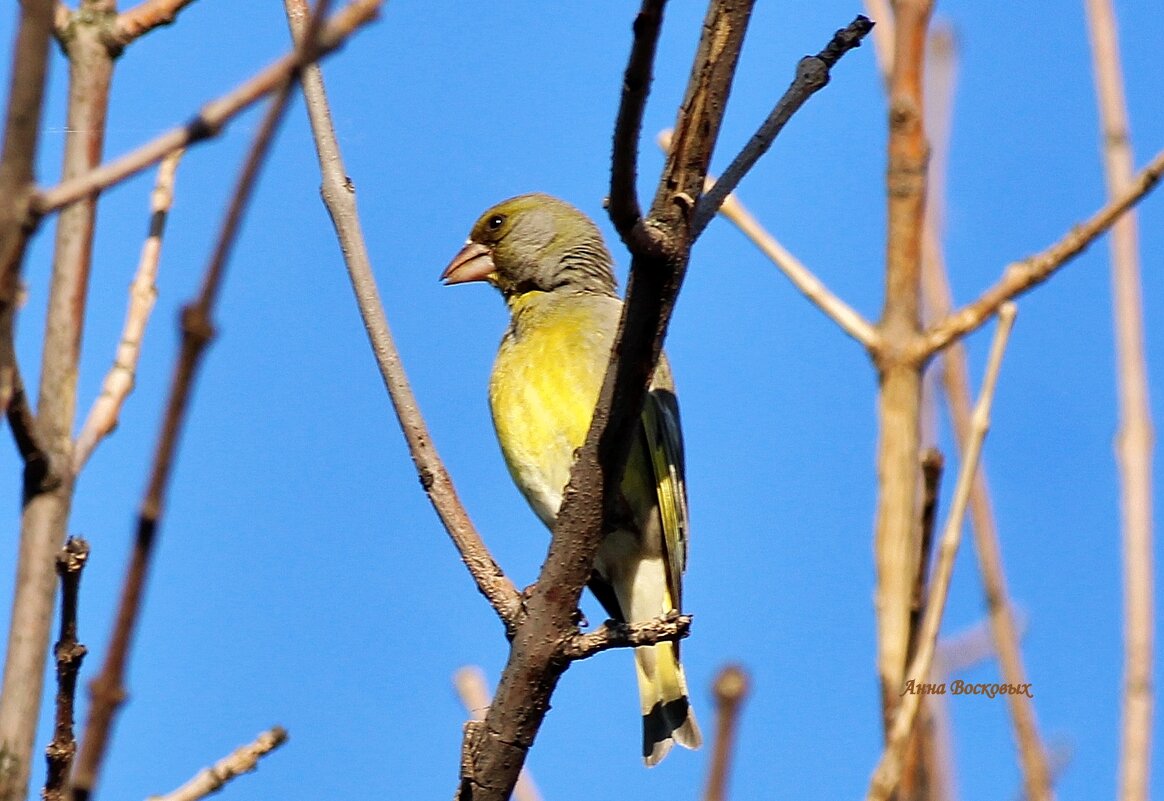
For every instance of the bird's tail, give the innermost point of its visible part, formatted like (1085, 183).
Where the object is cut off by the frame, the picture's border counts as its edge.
(667, 715)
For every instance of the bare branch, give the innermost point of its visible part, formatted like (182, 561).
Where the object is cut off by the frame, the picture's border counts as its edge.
(209, 121)
(731, 690)
(613, 634)
(119, 381)
(1021, 276)
(69, 654)
(812, 75)
(39, 473)
(624, 208)
(243, 760)
(1135, 438)
(107, 690)
(888, 772)
(143, 18)
(339, 196)
(471, 686)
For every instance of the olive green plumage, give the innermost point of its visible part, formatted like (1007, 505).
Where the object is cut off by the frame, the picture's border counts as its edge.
(554, 271)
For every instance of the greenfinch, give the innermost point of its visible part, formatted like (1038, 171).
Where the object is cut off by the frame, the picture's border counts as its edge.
(553, 269)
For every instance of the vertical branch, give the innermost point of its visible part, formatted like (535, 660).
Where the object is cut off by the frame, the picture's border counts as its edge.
(731, 690)
(1134, 439)
(69, 653)
(46, 507)
(899, 405)
(470, 684)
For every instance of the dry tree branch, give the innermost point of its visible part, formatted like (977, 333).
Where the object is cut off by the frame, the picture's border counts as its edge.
(899, 400)
(495, 749)
(143, 18)
(1135, 437)
(119, 381)
(338, 193)
(242, 760)
(69, 654)
(40, 475)
(107, 690)
(209, 121)
(888, 772)
(471, 686)
(613, 634)
(1020, 276)
(812, 75)
(730, 690)
(848, 318)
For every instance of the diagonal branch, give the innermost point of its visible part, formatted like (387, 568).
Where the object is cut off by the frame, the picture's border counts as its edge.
(627, 635)
(888, 772)
(143, 18)
(1021, 276)
(339, 197)
(209, 121)
(812, 75)
(1135, 437)
(119, 381)
(243, 759)
(470, 684)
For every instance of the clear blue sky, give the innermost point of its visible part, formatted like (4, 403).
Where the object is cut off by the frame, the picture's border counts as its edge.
(302, 578)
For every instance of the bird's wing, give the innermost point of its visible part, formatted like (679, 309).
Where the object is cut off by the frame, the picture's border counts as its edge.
(665, 444)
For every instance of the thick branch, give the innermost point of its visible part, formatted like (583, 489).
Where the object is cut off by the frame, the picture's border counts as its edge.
(339, 196)
(1021, 276)
(626, 635)
(242, 760)
(209, 121)
(107, 690)
(1135, 438)
(143, 18)
(812, 75)
(888, 772)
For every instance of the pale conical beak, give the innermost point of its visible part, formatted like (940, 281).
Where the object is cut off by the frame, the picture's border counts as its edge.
(474, 262)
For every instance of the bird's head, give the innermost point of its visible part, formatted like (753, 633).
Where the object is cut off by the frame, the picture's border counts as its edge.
(534, 243)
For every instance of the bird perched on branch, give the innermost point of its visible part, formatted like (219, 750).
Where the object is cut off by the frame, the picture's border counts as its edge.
(554, 271)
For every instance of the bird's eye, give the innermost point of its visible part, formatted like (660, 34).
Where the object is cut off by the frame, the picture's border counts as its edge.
(495, 222)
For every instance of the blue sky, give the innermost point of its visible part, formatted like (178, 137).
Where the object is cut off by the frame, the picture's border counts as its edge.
(301, 577)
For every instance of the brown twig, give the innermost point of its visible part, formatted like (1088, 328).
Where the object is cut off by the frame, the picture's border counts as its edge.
(119, 381)
(143, 18)
(812, 75)
(848, 318)
(107, 690)
(1020, 276)
(494, 750)
(1135, 437)
(626, 635)
(888, 772)
(209, 121)
(39, 473)
(69, 654)
(730, 690)
(932, 465)
(899, 400)
(339, 196)
(624, 209)
(242, 760)
(471, 686)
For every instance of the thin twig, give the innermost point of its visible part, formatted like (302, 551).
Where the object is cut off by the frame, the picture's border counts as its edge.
(39, 473)
(627, 635)
(1135, 437)
(143, 18)
(119, 381)
(69, 654)
(848, 318)
(107, 691)
(731, 690)
(625, 212)
(339, 196)
(242, 760)
(812, 75)
(888, 772)
(209, 121)
(1021, 276)
(474, 692)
